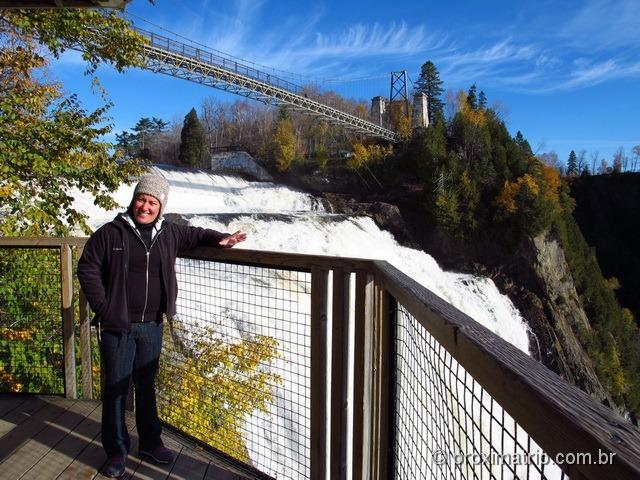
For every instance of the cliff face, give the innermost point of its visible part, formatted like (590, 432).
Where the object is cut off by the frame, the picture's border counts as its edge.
(536, 277)
(547, 298)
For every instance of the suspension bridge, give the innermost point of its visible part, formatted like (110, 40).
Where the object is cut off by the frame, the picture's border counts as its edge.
(183, 60)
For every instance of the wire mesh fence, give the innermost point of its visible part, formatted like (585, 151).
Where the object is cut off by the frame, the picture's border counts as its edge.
(446, 424)
(235, 367)
(31, 351)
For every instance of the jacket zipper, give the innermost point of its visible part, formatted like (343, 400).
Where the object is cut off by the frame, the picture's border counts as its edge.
(146, 284)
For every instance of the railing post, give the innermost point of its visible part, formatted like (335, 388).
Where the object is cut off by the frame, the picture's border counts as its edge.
(339, 374)
(358, 445)
(66, 283)
(85, 348)
(383, 384)
(367, 447)
(319, 424)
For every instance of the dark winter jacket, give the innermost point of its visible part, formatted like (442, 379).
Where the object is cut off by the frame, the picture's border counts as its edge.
(103, 267)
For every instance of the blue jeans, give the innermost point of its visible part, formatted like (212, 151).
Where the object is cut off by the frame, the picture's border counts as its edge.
(135, 353)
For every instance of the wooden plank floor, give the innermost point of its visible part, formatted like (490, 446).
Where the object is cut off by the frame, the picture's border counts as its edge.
(48, 437)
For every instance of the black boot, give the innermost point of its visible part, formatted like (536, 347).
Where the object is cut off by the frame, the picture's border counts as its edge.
(115, 466)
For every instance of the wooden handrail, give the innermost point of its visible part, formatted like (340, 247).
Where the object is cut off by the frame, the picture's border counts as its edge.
(41, 242)
(558, 416)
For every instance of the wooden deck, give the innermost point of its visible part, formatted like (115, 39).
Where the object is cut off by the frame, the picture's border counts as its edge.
(47, 437)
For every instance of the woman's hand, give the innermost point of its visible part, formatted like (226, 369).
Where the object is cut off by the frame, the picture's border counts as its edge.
(231, 240)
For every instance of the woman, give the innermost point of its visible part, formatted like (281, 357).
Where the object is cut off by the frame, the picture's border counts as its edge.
(127, 272)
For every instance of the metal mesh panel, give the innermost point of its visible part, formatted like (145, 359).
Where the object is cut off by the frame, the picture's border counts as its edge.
(446, 425)
(31, 358)
(235, 371)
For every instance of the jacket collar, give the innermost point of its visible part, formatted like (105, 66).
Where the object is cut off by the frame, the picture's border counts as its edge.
(126, 218)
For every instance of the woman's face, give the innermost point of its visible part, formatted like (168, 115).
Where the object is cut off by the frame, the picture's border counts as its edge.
(145, 208)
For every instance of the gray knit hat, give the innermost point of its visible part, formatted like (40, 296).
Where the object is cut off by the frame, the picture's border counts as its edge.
(156, 186)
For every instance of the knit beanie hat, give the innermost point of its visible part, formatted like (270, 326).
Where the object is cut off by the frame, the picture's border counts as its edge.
(153, 185)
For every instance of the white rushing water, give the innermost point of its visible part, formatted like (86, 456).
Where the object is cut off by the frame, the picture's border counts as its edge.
(277, 218)
(307, 229)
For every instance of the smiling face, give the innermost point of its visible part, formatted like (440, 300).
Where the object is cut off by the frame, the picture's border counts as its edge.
(145, 208)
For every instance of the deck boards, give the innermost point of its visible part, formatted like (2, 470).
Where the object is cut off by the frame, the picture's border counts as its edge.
(49, 437)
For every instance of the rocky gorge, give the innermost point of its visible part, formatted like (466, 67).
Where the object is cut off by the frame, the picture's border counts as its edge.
(534, 275)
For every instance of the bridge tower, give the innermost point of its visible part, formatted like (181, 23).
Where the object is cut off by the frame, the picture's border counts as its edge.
(399, 89)
(378, 111)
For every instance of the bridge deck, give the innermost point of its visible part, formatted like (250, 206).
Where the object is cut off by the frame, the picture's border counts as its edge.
(48, 437)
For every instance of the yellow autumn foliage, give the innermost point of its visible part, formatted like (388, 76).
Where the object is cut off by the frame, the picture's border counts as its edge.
(364, 155)
(507, 197)
(285, 144)
(475, 117)
(551, 182)
(16, 335)
(208, 385)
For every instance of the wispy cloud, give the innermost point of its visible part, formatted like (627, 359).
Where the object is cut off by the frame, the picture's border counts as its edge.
(604, 24)
(600, 43)
(532, 55)
(305, 43)
(376, 39)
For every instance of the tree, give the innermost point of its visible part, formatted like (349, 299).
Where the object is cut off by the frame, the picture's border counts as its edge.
(430, 84)
(551, 159)
(209, 385)
(472, 98)
(572, 164)
(636, 158)
(523, 143)
(482, 100)
(49, 145)
(581, 162)
(595, 156)
(604, 167)
(191, 140)
(143, 130)
(400, 121)
(285, 143)
(620, 160)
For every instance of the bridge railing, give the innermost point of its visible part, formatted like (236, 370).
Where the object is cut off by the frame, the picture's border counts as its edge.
(310, 366)
(230, 64)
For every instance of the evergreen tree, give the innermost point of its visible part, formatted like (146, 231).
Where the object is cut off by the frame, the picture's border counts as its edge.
(572, 164)
(482, 100)
(523, 143)
(430, 84)
(472, 98)
(127, 142)
(191, 140)
(159, 125)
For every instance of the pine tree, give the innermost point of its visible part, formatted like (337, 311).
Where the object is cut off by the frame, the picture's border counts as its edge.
(191, 140)
(482, 100)
(472, 98)
(572, 164)
(430, 84)
(523, 143)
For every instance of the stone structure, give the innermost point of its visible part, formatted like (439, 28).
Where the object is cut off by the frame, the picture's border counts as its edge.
(239, 163)
(420, 111)
(378, 110)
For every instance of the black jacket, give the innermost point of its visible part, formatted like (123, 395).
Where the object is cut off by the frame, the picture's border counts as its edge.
(102, 269)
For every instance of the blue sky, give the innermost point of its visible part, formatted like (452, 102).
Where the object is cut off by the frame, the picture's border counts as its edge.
(567, 73)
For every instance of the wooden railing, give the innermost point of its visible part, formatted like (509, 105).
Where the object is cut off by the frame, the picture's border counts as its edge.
(555, 415)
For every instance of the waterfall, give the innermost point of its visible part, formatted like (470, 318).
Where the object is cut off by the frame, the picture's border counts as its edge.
(280, 219)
